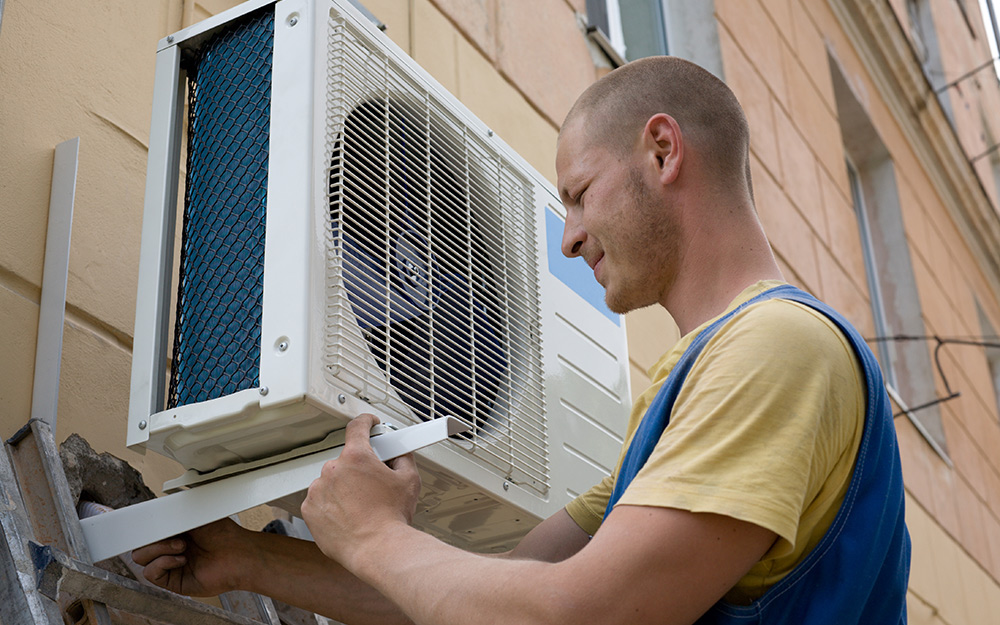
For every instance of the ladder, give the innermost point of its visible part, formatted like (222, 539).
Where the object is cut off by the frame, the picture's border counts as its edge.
(47, 577)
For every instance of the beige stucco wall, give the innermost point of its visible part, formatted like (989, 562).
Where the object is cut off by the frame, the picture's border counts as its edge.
(84, 68)
(75, 69)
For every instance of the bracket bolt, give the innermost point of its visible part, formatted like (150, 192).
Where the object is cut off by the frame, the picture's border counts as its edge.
(142, 425)
(282, 346)
(264, 390)
(342, 398)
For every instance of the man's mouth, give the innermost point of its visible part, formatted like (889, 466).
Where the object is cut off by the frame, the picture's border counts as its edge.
(597, 267)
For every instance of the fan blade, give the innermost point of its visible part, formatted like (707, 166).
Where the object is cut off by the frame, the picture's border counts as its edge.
(373, 294)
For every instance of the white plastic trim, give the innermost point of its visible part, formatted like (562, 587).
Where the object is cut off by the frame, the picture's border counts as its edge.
(287, 247)
(212, 23)
(157, 248)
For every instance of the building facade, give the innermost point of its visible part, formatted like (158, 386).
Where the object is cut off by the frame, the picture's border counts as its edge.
(875, 126)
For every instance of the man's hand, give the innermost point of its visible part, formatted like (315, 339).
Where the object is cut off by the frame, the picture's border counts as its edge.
(199, 563)
(357, 497)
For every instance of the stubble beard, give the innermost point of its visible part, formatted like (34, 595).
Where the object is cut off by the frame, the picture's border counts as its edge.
(653, 252)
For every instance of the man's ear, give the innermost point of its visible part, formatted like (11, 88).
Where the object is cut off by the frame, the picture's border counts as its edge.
(663, 141)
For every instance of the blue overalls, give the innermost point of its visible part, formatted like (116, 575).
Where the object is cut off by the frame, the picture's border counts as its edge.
(858, 572)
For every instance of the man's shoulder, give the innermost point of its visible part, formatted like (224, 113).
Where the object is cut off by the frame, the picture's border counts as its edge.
(782, 316)
(784, 329)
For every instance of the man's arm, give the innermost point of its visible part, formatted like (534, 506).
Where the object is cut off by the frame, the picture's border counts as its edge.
(223, 556)
(553, 540)
(646, 564)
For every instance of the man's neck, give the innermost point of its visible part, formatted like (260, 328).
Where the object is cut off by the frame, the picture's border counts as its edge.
(716, 269)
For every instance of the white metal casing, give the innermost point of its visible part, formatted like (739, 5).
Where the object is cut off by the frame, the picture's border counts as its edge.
(467, 500)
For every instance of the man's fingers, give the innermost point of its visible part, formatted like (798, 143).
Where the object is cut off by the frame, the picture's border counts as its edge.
(359, 431)
(158, 571)
(170, 547)
(407, 463)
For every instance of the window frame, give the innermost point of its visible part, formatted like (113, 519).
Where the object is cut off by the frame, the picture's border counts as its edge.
(988, 12)
(607, 27)
(872, 275)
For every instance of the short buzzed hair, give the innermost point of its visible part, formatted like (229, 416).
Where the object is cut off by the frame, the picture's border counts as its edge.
(710, 117)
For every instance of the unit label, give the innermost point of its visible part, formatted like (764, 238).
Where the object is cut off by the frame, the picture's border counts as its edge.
(573, 272)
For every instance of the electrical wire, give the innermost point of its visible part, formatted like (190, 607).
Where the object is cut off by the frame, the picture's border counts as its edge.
(976, 341)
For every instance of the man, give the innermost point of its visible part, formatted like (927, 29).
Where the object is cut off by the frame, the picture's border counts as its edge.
(773, 495)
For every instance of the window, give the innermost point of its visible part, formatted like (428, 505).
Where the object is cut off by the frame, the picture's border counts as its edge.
(895, 302)
(991, 152)
(995, 168)
(989, 14)
(925, 42)
(992, 353)
(643, 27)
(632, 28)
(882, 328)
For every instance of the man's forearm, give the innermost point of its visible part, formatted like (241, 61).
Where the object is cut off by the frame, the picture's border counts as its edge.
(296, 572)
(646, 565)
(412, 568)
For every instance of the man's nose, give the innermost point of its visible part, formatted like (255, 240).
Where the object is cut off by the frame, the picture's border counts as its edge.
(573, 235)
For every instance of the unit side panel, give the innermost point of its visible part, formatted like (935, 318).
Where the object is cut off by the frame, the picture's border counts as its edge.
(586, 369)
(287, 270)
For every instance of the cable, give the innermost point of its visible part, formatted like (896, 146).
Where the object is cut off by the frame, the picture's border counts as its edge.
(941, 342)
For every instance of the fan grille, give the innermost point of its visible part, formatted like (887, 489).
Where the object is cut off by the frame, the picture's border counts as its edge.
(432, 263)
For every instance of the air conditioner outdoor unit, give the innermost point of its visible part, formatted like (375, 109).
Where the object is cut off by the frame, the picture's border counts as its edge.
(355, 240)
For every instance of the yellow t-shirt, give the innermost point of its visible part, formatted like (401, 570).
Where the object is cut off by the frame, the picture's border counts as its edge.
(765, 429)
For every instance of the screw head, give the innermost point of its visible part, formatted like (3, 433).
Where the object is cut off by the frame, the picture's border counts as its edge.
(489, 133)
(142, 425)
(264, 390)
(342, 398)
(282, 346)
(506, 485)
(170, 38)
(293, 20)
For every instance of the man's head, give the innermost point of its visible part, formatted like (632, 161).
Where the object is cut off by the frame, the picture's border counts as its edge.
(621, 154)
(615, 109)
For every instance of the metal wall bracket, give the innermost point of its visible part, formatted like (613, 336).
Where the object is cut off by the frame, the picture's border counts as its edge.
(125, 529)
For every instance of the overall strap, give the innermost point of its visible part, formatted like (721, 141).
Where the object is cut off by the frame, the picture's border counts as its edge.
(858, 572)
(657, 416)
